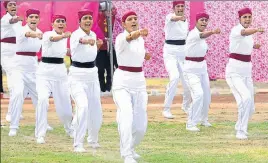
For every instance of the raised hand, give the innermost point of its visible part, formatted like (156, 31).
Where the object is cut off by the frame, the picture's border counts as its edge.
(144, 32)
(261, 30)
(15, 19)
(257, 46)
(67, 34)
(217, 31)
(19, 18)
(91, 42)
(99, 42)
(147, 56)
(135, 35)
(39, 35)
(180, 18)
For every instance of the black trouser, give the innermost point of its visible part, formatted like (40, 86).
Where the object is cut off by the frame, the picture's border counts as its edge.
(103, 63)
(1, 80)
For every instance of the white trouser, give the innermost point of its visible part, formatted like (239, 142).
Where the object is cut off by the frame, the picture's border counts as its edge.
(13, 85)
(201, 97)
(174, 67)
(22, 84)
(62, 102)
(243, 91)
(131, 118)
(88, 116)
(7, 63)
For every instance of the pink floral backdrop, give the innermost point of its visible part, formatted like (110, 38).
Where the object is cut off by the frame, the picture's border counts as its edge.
(152, 16)
(224, 15)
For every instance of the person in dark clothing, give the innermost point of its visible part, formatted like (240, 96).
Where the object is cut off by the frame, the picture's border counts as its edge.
(103, 56)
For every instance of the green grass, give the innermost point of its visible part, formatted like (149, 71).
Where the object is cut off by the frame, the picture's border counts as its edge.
(163, 143)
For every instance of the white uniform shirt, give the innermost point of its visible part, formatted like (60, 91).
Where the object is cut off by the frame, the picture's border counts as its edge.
(195, 47)
(83, 53)
(175, 30)
(130, 54)
(8, 30)
(51, 49)
(240, 45)
(27, 44)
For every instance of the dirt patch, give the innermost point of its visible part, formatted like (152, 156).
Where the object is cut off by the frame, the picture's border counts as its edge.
(223, 108)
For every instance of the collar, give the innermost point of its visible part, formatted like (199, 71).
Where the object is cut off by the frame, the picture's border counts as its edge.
(82, 32)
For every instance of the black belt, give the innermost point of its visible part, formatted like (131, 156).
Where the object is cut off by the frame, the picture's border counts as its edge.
(52, 60)
(83, 64)
(175, 42)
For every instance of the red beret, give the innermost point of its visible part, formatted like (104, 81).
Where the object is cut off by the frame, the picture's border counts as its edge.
(124, 17)
(83, 13)
(57, 17)
(201, 15)
(32, 11)
(244, 11)
(175, 3)
(6, 3)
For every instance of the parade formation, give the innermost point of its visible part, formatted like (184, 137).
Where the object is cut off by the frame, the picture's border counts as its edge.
(184, 58)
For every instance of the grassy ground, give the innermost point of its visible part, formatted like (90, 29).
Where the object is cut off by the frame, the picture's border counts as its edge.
(163, 143)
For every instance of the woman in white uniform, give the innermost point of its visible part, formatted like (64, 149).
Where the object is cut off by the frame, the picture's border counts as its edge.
(51, 76)
(84, 83)
(28, 40)
(129, 86)
(176, 31)
(10, 22)
(195, 73)
(239, 69)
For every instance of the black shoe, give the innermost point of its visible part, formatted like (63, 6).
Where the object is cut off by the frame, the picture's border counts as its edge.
(102, 87)
(108, 88)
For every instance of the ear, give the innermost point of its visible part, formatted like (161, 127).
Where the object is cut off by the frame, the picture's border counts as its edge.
(124, 24)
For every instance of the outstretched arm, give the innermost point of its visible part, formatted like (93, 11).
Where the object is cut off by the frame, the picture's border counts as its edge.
(60, 37)
(34, 35)
(15, 19)
(250, 31)
(177, 18)
(136, 34)
(206, 34)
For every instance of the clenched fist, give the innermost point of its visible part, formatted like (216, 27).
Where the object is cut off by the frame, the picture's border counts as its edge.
(217, 31)
(257, 46)
(39, 35)
(67, 34)
(261, 30)
(147, 56)
(99, 42)
(91, 42)
(144, 32)
(134, 35)
(15, 19)
(180, 18)
(19, 18)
